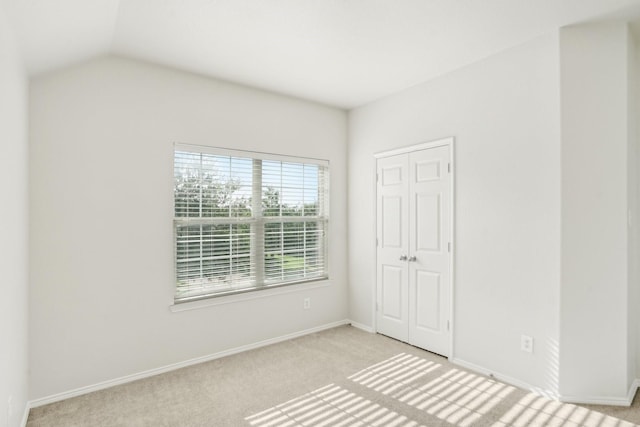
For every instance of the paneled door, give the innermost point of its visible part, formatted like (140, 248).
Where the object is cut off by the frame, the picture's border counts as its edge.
(413, 247)
(393, 247)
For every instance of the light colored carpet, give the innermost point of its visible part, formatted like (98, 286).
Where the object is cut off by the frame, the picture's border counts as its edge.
(338, 377)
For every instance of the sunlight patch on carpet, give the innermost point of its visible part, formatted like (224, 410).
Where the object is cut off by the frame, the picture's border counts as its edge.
(540, 411)
(409, 391)
(330, 406)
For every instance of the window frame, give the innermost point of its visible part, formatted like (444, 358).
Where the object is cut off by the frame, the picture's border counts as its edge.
(258, 221)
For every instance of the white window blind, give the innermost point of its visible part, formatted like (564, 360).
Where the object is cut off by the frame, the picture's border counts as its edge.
(246, 221)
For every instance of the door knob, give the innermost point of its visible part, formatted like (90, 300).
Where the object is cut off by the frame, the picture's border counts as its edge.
(413, 259)
(403, 257)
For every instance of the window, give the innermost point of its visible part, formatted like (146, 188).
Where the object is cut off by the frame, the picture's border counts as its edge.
(247, 221)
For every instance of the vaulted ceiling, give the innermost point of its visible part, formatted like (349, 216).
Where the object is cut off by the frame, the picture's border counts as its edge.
(338, 52)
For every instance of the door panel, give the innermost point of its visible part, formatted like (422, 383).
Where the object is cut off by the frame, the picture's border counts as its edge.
(428, 171)
(392, 292)
(428, 212)
(427, 299)
(429, 276)
(393, 174)
(393, 242)
(391, 222)
(413, 260)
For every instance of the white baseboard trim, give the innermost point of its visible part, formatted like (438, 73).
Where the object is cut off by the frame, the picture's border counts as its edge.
(604, 400)
(151, 372)
(25, 415)
(361, 326)
(583, 400)
(505, 378)
(633, 390)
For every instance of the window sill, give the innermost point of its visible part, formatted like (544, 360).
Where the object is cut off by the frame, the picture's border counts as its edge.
(231, 299)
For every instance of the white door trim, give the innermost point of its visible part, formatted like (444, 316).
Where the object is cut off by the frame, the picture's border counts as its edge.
(422, 146)
(450, 142)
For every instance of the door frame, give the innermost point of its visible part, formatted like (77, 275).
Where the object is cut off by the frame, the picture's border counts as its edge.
(449, 142)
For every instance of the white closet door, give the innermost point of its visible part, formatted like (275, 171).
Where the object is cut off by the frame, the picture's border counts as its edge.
(413, 248)
(393, 244)
(429, 256)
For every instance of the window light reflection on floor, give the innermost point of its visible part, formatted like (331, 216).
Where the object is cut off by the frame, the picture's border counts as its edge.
(330, 406)
(540, 411)
(409, 391)
(456, 396)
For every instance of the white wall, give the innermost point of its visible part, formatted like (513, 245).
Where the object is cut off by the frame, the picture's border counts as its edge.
(102, 276)
(14, 218)
(595, 275)
(504, 114)
(632, 200)
(101, 138)
(635, 91)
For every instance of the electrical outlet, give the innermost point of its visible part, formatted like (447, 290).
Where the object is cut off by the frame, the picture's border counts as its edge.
(306, 303)
(526, 343)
